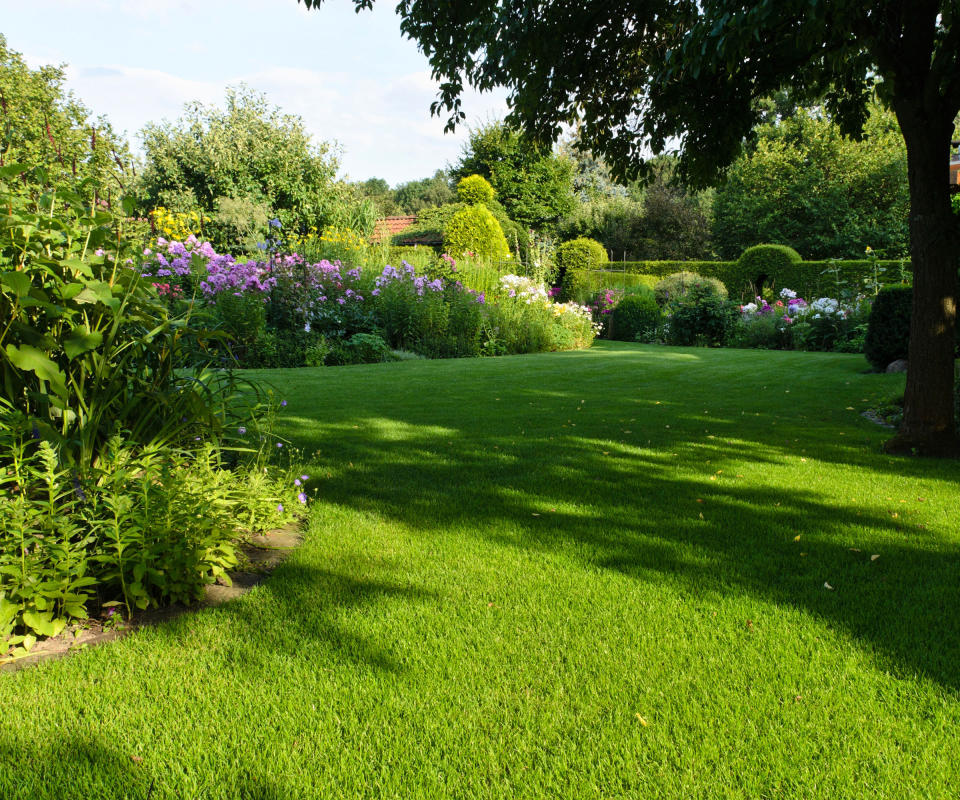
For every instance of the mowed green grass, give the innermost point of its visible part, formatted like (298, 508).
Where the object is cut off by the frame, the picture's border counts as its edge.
(597, 574)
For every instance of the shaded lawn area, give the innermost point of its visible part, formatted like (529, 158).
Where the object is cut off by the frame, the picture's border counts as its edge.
(592, 574)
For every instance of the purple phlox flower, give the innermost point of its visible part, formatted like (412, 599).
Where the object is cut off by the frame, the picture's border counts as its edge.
(304, 477)
(341, 301)
(147, 251)
(296, 482)
(279, 445)
(482, 298)
(283, 404)
(302, 498)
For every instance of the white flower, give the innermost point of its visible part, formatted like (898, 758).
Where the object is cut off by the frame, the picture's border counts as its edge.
(825, 305)
(787, 294)
(749, 308)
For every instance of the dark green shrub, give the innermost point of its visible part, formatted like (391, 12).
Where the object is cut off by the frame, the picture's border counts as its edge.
(637, 314)
(575, 255)
(764, 261)
(675, 287)
(368, 348)
(888, 328)
(702, 318)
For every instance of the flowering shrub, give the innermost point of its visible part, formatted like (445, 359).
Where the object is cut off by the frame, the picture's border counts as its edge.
(790, 322)
(523, 288)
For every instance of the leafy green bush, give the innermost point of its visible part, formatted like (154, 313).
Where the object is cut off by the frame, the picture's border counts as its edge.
(888, 327)
(474, 189)
(679, 285)
(637, 314)
(475, 230)
(368, 348)
(701, 317)
(88, 348)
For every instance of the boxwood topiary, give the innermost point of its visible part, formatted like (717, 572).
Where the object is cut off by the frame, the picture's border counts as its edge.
(474, 229)
(765, 261)
(888, 328)
(578, 254)
(675, 287)
(474, 189)
(636, 314)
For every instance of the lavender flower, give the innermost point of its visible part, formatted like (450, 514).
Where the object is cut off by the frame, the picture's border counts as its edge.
(302, 498)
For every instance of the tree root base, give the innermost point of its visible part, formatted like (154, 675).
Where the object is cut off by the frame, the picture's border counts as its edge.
(931, 445)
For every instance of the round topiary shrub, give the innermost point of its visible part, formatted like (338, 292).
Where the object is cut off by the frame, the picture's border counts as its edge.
(637, 314)
(577, 254)
(888, 327)
(764, 261)
(677, 286)
(475, 230)
(474, 189)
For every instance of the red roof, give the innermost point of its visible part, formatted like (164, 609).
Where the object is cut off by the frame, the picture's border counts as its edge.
(389, 226)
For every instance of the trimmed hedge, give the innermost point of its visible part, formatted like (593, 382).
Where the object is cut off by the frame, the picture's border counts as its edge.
(810, 279)
(766, 260)
(582, 284)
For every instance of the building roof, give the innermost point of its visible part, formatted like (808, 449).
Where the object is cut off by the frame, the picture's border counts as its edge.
(389, 226)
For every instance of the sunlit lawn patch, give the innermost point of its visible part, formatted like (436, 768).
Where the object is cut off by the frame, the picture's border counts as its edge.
(625, 572)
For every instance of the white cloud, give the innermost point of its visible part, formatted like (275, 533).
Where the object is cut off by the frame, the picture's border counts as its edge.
(384, 127)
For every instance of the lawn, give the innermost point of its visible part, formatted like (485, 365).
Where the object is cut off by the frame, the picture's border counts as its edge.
(626, 572)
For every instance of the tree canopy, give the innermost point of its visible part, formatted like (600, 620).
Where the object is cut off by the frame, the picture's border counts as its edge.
(43, 125)
(534, 185)
(803, 184)
(643, 76)
(244, 151)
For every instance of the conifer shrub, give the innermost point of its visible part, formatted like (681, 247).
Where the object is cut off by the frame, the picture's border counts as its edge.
(475, 230)
(475, 189)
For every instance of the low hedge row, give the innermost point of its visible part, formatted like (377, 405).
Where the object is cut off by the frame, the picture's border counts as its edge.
(584, 283)
(810, 279)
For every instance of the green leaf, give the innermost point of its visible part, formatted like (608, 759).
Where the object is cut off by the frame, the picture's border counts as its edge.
(95, 292)
(78, 265)
(18, 282)
(80, 341)
(44, 624)
(30, 359)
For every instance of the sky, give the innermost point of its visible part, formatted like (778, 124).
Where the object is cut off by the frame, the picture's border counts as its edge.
(353, 78)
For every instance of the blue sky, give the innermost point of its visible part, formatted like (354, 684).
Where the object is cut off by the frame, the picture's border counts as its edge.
(353, 78)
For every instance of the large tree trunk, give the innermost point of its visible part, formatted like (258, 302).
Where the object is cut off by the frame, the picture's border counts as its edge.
(928, 415)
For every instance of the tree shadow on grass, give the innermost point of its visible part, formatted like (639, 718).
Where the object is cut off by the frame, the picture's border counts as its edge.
(302, 612)
(81, 768)
(625, 505)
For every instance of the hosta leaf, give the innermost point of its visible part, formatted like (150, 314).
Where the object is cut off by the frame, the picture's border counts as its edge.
(80, 341)
(30, 359)
(44, 624)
